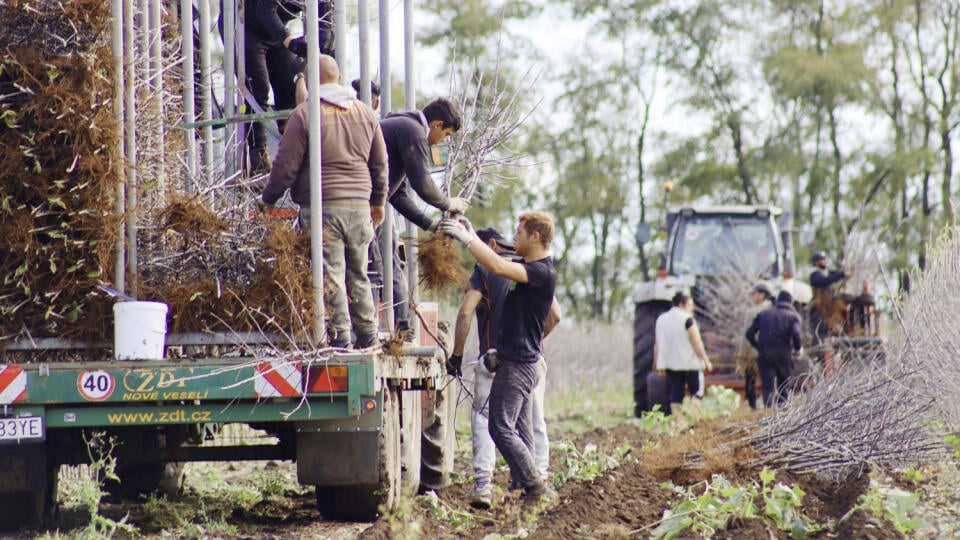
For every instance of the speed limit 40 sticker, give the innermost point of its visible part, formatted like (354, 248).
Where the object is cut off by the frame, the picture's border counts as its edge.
(95, 385)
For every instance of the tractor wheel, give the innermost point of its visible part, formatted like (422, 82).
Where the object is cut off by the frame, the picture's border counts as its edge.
(439, 437)
(363, 502)
(644, 336)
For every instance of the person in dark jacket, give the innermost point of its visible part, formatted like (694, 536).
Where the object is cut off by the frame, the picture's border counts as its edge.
(409, 136)
(272, 57)
(821, 277)
(821, 280)
(775, 333)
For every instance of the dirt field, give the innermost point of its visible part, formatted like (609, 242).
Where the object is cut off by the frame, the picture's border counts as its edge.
(626, 501)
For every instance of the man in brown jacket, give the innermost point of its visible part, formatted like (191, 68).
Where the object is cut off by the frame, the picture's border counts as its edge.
(354, 189)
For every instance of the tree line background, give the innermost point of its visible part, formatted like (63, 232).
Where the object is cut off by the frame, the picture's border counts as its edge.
(843, 113)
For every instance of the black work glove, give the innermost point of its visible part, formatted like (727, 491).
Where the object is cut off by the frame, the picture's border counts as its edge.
(454, 363)
(298, 46)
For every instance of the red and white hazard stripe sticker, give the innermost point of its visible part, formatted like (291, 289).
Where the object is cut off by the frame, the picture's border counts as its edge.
(13, 384)
(278, 378)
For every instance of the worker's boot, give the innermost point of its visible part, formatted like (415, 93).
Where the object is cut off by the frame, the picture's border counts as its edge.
(367, 341)
(539, 492)
(481, 497)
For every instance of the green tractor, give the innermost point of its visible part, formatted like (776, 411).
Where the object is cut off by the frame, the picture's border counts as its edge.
(715, 253)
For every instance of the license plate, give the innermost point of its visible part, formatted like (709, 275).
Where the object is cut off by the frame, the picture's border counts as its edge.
(22, 428)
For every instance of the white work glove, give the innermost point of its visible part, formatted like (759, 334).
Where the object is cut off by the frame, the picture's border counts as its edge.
(433, 226)
(460, 229)
(458, 205)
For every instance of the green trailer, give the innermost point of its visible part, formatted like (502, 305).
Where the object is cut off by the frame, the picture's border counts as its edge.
(359, 425)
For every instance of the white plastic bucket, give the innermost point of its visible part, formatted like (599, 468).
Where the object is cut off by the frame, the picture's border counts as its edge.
(139, 330)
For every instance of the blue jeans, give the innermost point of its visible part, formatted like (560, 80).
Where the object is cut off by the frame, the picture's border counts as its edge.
(347, 232)
(511, 417)
(484, 451)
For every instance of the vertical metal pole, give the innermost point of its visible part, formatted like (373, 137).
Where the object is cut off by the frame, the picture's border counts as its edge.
(240, 37)
(230, 84)
(410, 103)
(340, 32)
(189, 105)
(409, 84)
(385, 104)
(363, 26)
(156, 88)
(119, 277)
(142, 23)
(316, 197)
(386, 230)
(206, 86)
(130, 107)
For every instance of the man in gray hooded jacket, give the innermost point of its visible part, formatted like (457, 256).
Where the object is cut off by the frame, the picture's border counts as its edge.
(409, 136)
(354, 189)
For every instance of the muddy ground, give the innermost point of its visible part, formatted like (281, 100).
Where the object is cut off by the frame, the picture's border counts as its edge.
(624, 502)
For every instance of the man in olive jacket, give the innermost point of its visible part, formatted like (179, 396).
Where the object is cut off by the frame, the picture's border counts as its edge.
(354, 189)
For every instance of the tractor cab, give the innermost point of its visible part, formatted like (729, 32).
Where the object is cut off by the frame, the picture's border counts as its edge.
(725, 240)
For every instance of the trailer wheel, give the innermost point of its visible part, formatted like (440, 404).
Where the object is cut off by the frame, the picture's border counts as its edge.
(364, 502)
(439, 437)
(28, 487)
(644, 336)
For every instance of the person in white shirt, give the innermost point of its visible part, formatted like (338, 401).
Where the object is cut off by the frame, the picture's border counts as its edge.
(679, 352)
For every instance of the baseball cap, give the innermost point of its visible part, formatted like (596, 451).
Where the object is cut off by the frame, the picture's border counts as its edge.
(490, 232)
(817, 256)
(761, 288)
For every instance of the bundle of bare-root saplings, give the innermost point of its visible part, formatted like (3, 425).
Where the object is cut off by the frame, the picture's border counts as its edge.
(57, 178)
(218, 269)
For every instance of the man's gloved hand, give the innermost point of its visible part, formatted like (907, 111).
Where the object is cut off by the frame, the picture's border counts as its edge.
(458, 205)
(460, 229)
(454, 364)
(434, 226)
(298, 46)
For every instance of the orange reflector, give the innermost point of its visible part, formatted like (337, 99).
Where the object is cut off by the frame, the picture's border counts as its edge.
(328, 379)
(787, 275)
(661, 273)
(369, 404)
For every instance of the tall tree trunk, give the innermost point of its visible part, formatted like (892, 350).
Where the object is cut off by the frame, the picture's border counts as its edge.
(736, 135)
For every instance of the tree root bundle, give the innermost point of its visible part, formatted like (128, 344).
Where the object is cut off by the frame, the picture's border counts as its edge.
(441, 264)
(58, 179)
(249, 276)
